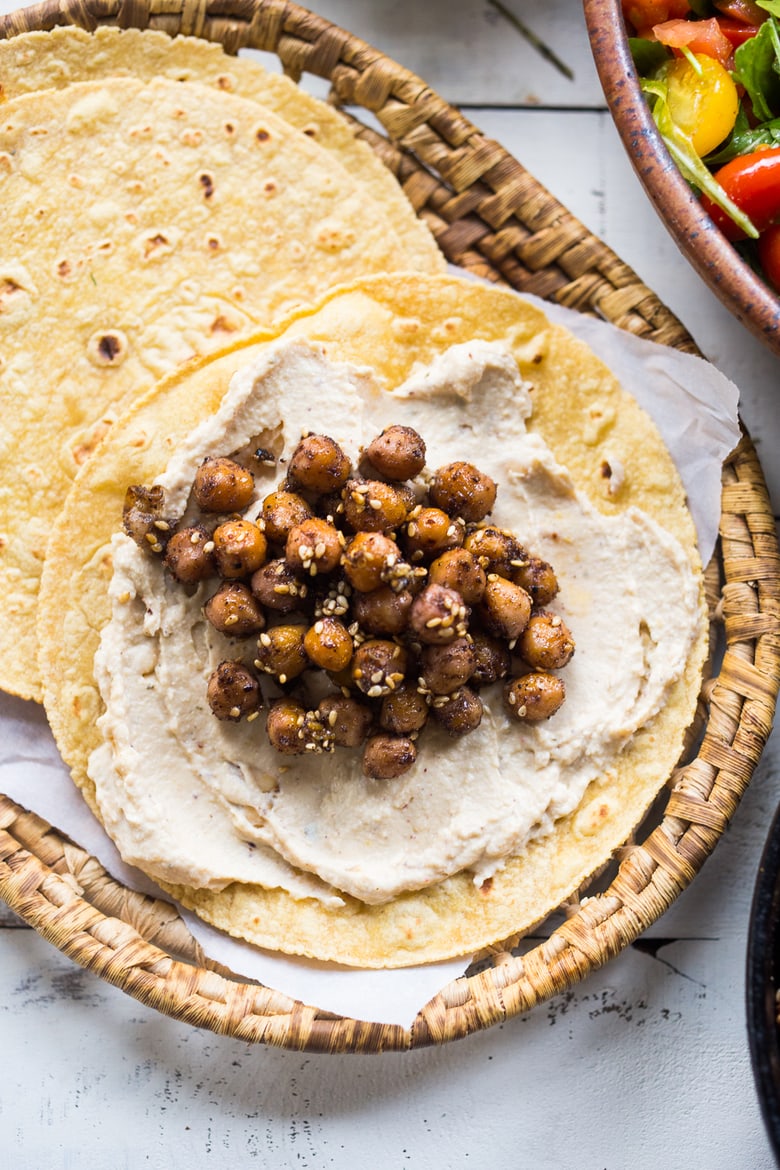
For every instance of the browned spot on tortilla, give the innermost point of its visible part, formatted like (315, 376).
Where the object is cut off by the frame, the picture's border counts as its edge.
(8, 289)
(222, 325)
(207, 183)
(109, 346)
(262, 136)
(153, 243)
(84, 450)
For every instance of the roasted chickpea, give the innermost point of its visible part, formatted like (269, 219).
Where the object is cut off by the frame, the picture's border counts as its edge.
(378, 667)
(285, 727)
(189, 557)
(239, 548)
(458, 714)
(496, 550)
(313, 547)
(368, 558)
(276, 586)
(328, 644)
(538, 579)
(534, 696)
(348, 719)
(505, 608)
(447, 667)
(234, 611)
(222, 485)
(383, 611)
(404, 711)
(546, 642)
(373, 506)
(461, 489)
(398, 453)
(430, 532)
(492, 660)
(233, 691)
(280, 652)
(438, 615)
(283, 511)
(387, 756)
(460, 570)
(319, 465)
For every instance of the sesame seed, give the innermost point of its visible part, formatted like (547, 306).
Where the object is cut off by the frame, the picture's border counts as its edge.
(320, 549)
(332, 717)
(374, 692)
(252, 716)
(208, 546)
(123, 598)
(377, 676)
(283, 678)
(235, 712)
(318, 627)
(150, 537)
(265, 639)
(375, 504)
(432, 623)
(231, 619)
(163, 525)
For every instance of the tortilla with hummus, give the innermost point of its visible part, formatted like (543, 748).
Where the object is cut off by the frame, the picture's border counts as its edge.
(144, 224)
(482, 838)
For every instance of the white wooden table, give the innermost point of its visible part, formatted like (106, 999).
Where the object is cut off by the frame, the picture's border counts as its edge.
(646, 1064)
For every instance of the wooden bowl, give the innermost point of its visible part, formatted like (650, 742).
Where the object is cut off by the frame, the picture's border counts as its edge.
(714, 258)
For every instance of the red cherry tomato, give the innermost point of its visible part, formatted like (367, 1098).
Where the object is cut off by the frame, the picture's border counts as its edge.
(769, 254)
(735, 32)
(698, 36)
(744, 10)
(643, 14)
(752, 181)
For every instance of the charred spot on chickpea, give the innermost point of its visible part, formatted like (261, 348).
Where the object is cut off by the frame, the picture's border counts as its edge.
(407, 598)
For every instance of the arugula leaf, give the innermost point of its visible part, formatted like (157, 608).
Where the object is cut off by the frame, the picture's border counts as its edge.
(648, 55)
(757, 68)
(744, 139)
(690, 165)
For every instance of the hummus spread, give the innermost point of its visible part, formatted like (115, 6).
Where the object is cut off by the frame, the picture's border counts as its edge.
(203, 803)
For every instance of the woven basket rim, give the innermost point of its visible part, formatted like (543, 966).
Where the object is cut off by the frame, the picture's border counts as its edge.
(491, 217)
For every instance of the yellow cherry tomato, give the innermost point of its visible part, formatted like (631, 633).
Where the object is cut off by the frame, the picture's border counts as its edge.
(703, 104)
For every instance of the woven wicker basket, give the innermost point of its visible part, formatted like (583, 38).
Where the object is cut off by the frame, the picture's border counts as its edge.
(489, 216)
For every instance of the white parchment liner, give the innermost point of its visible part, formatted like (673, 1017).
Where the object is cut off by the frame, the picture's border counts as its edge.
(694, 407)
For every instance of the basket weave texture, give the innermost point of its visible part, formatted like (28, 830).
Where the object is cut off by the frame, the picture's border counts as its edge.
(490, 216)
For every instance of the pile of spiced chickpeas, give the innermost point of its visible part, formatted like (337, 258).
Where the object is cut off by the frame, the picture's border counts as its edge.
(388, 578)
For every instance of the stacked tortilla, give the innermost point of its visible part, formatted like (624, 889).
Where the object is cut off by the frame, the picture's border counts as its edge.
(160, 199)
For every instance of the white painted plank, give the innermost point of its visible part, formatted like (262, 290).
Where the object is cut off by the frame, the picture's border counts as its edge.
(471, 54)
(645, 1065)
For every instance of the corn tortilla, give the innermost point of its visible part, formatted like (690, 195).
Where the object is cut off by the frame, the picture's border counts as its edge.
(54, 59)
(144, 223)
(389, 323)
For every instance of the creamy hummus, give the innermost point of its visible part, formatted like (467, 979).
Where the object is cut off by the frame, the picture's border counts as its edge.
(195, 801)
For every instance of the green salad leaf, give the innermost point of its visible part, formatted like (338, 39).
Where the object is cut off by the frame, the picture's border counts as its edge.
(757, 68)
(770, 6)
(690, 165)
(744, 139)
(648, 55)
